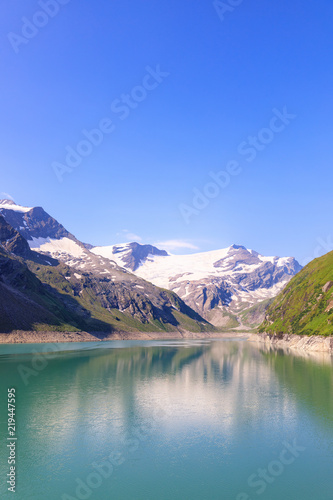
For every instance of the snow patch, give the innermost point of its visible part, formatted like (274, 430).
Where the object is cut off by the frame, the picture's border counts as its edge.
(53, 246)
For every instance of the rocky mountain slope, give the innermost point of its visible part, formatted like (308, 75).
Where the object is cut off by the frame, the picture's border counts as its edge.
(305, 306)
(228, 287)
(58, 290)
(131, 255)
(44, 233)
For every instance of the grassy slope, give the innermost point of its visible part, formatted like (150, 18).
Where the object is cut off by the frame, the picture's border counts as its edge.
(301, 308)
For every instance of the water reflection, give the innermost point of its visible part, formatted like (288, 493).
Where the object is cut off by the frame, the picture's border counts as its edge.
(230, 402)
(308, 376)
(220, 383)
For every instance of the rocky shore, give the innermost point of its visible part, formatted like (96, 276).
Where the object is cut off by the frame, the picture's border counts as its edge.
(22, 337)
(314, 343)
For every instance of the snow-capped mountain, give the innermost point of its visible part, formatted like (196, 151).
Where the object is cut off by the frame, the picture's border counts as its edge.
(43, 233)
(129, 255)
(222, 286)
(214, 283)
(47, 236)
(103, 289)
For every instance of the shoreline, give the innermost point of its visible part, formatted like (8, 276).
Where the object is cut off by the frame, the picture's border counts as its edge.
(21, 337)
(313, 343)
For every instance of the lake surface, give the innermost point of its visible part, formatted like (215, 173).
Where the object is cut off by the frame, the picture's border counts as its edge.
(196, 420)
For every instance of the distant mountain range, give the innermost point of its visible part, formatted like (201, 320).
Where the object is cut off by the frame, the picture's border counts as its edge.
(228, 287)
(140, 286)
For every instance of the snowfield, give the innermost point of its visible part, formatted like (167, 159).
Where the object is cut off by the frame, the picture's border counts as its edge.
(165, 271)
(54, 247)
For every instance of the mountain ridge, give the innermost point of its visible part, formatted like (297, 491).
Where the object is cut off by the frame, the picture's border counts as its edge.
(101, 297)
(221, 285)
(229, 288)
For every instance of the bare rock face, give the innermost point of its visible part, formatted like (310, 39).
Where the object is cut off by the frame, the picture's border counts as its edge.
(204, 295)
(133, 254)
(327, 286)
(32, 223)
(238, 255)
(11, 240)
(301, 343)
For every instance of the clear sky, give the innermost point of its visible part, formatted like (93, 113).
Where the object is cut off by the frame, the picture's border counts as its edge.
(183, 91)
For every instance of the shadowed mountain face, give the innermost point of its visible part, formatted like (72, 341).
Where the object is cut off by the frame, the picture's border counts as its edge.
(11, 240)
(32, 223)
(79, 291)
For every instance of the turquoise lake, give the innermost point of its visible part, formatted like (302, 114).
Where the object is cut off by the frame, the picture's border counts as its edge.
(167, 420)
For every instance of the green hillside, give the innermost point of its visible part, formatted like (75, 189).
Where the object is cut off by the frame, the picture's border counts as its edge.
(305, 306)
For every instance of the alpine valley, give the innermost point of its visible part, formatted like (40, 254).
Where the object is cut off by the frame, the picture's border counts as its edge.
(51, 281)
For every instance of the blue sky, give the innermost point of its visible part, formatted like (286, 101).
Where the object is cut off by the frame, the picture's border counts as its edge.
(219, 78)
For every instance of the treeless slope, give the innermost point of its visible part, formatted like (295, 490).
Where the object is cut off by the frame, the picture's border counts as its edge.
(305, 306)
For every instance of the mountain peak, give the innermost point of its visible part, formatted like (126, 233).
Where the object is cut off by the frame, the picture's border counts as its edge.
(237, 247)
(7, 201)
(11, 205)
(130, 255)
